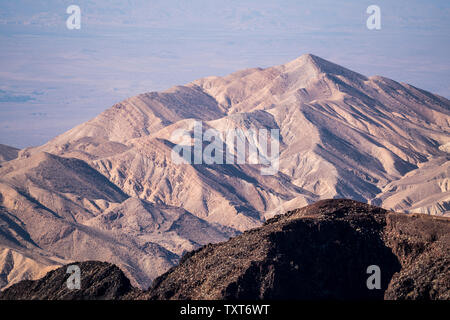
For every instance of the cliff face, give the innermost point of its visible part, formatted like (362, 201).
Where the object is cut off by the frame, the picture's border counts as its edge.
(321, 251)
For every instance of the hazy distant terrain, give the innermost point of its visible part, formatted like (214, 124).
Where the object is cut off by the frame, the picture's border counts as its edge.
(108, 189)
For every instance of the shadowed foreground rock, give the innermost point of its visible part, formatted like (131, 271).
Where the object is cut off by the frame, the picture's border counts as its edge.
(99, 280)
(321, 251)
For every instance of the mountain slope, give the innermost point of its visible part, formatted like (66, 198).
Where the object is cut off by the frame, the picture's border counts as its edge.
(61, 210)
(320, 251)
(342, 135)
(19, 264)
(7, 153)
(425, 189)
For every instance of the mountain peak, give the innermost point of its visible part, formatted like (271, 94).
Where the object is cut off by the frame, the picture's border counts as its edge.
(305, 60)
(317, 65)
(311, 58)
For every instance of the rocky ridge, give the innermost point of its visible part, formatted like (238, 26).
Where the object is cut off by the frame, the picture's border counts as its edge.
(321, 251)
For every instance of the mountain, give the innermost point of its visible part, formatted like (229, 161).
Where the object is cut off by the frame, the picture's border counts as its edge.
(62, 210)
(7, 153)
(101, 280)
(342, 135)
(109, 190)
(321, 251)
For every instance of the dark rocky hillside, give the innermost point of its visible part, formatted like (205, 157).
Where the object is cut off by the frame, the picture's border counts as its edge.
(321, 251)
(99, 280)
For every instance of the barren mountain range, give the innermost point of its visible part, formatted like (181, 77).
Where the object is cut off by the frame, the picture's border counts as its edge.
(108, 189)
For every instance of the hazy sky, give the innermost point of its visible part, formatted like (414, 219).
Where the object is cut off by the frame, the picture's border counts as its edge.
(53, 78)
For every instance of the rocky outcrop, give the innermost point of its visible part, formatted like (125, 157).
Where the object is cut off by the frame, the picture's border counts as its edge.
(99, 280)
(321, 251)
